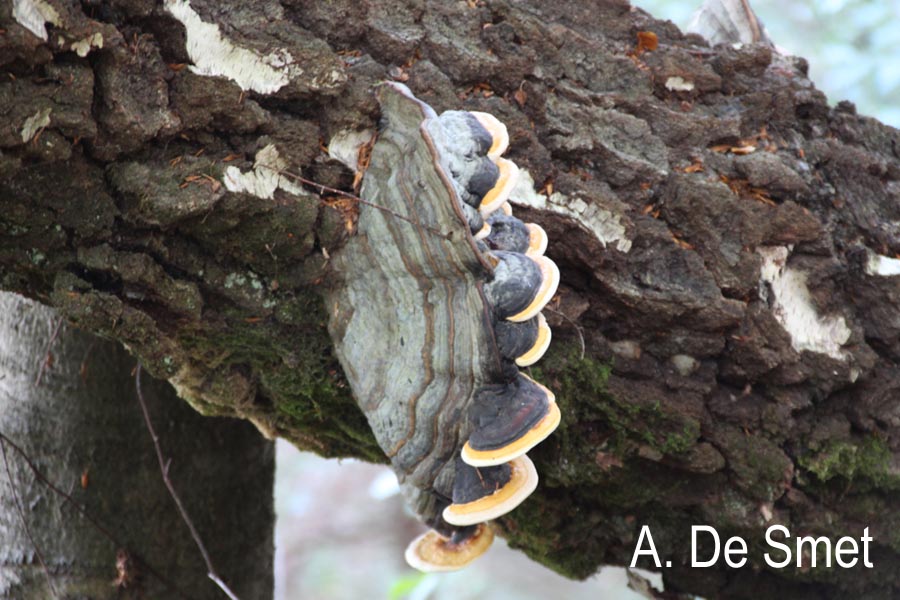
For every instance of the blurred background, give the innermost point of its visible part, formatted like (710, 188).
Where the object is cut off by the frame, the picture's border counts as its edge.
(342, 527)
(853, 46)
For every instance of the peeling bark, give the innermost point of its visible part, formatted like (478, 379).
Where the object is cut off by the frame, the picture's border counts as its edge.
(725, 239)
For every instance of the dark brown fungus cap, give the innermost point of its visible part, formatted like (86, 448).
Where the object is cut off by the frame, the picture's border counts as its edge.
(541, 343)
(516, 339)
(432, 552)
(480, 134)
(482, 494)
(522, 285)
(499, 135)
(517, 282)
(549, 284)
(506, 181)
(486, 175)
(508, 233)
(508, 421)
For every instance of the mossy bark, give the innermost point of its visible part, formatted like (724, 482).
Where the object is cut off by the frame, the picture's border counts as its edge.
(68, 402)
(689, 222)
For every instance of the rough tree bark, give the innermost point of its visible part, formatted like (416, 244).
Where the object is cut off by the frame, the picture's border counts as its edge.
(67, 400)
(726, 336)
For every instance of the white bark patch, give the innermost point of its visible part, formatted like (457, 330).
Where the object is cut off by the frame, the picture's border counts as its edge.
(794, 310)
(214, 55)
(685, 364)
(264, 179)
(33, 14)
(344, 146)
(606, 226)
(884, 266)
(83, 47)
(626, 349)
(35, 123)
(678, 84)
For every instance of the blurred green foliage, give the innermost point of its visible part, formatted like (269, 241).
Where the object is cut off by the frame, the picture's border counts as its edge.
(853, 46)
(405, 586)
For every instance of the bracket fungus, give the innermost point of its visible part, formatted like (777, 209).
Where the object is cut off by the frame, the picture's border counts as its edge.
(431, 328)
(510, 234)
(480, 495)
(510, 419)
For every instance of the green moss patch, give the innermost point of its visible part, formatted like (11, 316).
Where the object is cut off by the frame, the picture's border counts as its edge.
(595, 419)
(866, 462)
(295, 369)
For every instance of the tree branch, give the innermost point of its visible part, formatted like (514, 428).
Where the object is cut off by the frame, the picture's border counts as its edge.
(726, 239)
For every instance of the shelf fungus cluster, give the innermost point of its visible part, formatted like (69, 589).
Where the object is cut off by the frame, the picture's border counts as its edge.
(437, 304)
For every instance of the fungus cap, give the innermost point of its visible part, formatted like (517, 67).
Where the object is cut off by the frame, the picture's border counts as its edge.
(523, 480)
(540, 345)
(517, 448)
(431, 552)
(516, 339)
(485, 175)
(537, 240)
(498, 132)
(506, 181)
(509, 234)
(517, 282)
(509, 421)
(549, 283)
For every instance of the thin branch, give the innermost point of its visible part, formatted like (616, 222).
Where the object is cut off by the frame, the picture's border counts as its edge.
(39, 476)
(222, 585)
(324, 188)
(46, 355)
(82, 369)
(164, 470)
(577, 327)
(18, 503)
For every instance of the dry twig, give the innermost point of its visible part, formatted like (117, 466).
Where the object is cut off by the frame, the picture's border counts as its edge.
(47, 360)
(164, 470)
(324, 188)
(18, 502)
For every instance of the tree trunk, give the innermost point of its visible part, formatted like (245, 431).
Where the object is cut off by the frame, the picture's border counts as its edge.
(725, 336)
(67, 400)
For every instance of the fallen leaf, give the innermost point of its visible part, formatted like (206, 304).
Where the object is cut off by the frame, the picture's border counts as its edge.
(681, 243)
(695, 167)
(520, 96)
(743, 149)
(647, 41)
